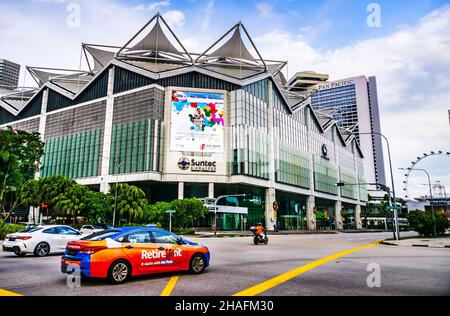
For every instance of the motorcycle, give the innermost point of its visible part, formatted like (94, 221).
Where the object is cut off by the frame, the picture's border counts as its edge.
(257, 238)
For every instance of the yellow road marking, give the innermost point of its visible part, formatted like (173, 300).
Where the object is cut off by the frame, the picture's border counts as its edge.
(264, 286)
(8, 293)
(170, 286)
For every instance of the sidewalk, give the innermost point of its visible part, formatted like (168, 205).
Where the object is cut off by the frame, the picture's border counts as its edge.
(206, 234)
(443, 242)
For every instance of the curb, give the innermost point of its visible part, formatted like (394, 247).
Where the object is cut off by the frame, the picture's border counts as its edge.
(414, 245)
(388, 243)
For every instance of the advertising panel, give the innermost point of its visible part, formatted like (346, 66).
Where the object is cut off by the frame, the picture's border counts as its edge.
(197, 122)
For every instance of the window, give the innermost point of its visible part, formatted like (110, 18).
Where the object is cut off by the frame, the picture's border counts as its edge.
(33, 230)
(101, 235)
(52, 231)
(66, 231)
(138, 237)
(164, 238)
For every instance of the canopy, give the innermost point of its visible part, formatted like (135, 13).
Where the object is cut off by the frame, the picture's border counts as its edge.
(234, 48)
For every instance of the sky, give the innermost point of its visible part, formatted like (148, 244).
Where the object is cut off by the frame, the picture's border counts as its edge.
(404, 43)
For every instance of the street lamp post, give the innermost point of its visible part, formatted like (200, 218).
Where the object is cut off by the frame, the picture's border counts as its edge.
(392, 180)
(117, 167)
(431, 196)
(215, 208)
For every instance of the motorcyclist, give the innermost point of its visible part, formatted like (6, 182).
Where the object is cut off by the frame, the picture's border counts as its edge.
(260, 231)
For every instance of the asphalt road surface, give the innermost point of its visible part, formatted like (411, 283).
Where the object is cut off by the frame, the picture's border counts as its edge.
(338, 264)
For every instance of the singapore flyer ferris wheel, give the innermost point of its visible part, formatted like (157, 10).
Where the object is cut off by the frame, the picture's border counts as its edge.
(437, 165)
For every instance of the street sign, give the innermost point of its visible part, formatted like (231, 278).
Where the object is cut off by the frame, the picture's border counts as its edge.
(170, 212)
(398, 208)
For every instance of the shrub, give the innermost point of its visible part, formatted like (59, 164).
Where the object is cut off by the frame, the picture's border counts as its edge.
(181, 231)
(6, 229)
(422, 222)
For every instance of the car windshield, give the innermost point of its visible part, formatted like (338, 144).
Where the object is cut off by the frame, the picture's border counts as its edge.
(101, 235)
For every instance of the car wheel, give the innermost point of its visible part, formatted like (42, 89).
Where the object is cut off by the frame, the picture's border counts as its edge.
(42, 249)
(197, 264)
(119, 272)
(18, 253)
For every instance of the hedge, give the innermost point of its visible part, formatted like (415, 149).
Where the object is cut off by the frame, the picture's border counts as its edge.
(6, 229)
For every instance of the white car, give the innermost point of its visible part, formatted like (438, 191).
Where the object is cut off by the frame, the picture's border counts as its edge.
(90, 229)
(41, 240)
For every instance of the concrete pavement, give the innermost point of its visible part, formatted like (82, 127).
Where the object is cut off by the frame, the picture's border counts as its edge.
(301, 265)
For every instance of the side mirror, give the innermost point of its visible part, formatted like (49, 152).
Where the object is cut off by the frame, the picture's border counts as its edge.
(180, 241)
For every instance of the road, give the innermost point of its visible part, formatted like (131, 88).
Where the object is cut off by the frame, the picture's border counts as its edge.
(289, 266)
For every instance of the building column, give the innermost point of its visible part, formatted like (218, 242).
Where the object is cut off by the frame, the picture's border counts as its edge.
(107, 133)
(105, 187)
(34, 213)
(338, 215)
(269, 213)
(310, 215)
(180, 190)
(358, 221)
(211, 190)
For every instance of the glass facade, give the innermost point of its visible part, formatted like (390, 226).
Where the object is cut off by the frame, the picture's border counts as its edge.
(249, 120)
(75, 156)
(343, 98)
(254, 200)
(135, 147)
(291, 166)
(325, 176)
(291, 211)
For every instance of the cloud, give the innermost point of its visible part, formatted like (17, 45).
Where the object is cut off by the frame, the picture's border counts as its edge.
(207, 15)
(152, 6)
(265, 10)
(174, 18)
(411, 65)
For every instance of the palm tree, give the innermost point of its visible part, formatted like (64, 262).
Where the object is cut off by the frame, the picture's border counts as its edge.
(131, 202)
(72, 201)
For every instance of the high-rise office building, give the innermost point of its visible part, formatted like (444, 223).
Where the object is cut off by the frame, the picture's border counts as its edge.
(9, 74)
(353, 104)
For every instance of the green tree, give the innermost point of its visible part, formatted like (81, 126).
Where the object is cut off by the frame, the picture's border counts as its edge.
(20, 153)
(98, 210)
(51, 188)
(32, 193)
(131, 202)
(422, 222)
(72, 201)
(187, 211)
(156, 214)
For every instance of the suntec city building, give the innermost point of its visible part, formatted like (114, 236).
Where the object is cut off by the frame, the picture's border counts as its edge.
(180, 124)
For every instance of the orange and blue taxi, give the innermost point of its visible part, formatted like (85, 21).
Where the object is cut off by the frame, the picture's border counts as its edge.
(120, 253)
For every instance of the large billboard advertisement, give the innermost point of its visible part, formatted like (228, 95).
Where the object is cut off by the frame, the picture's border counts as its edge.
(198, 122)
